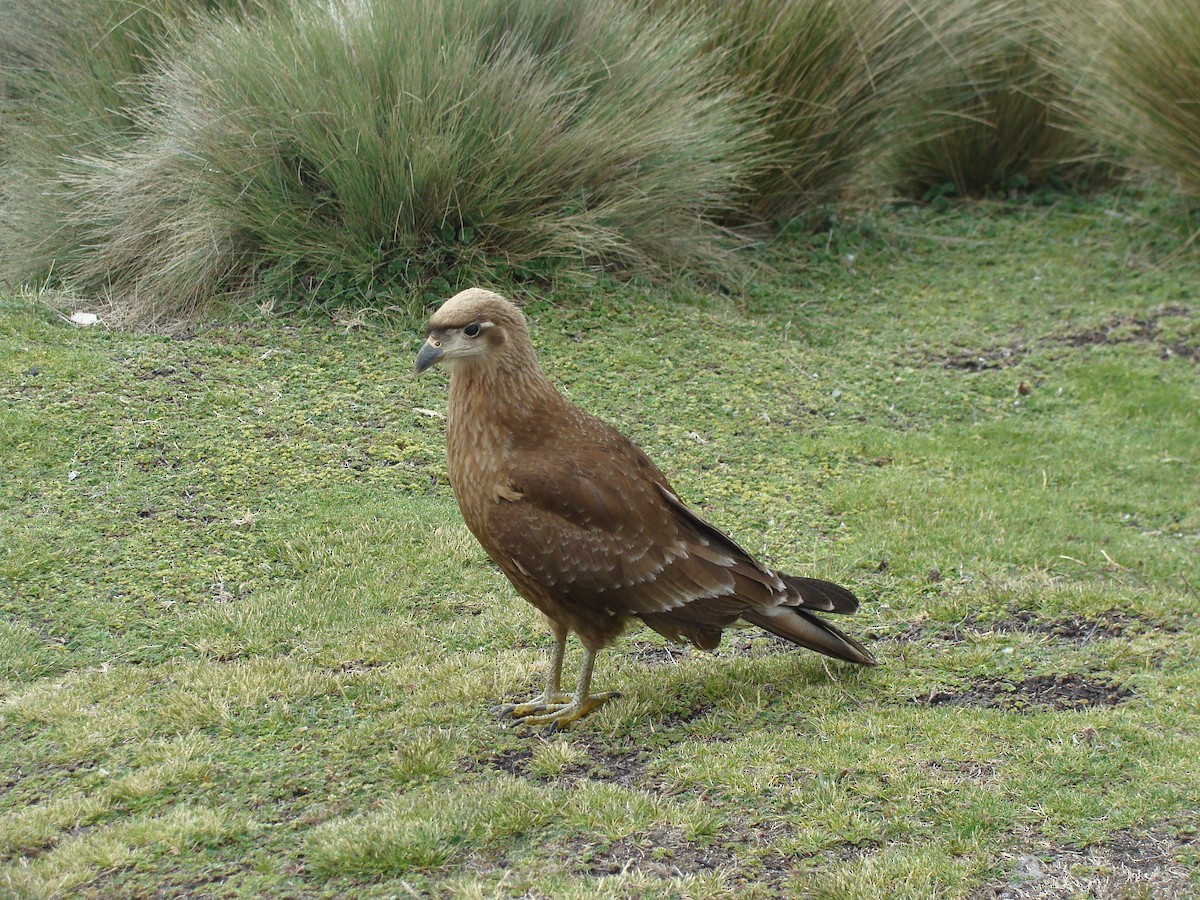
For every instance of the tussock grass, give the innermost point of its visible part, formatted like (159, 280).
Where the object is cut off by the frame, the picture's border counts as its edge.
(1139, 87)
(826, 77)
(161, 155)
(988, 119)
(70, 70)
(346, 150)
(72, 78)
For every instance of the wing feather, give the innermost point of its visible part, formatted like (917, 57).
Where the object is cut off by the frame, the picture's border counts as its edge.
(614, 537)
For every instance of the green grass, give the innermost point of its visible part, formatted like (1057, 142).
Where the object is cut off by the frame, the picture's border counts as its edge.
(248, 648)
(1138, 87)
(337, 153)
(988, 120)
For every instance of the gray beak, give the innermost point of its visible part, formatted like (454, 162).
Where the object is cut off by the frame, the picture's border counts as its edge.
(430, 355)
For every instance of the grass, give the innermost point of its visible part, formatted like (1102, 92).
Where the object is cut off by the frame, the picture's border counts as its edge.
(337, 153)
(825, 79)
(248, 648)
(988, 120)
(74, 75)
(173, 156)
(1137, 85)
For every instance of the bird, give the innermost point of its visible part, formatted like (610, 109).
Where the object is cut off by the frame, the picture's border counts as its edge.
(584, 525)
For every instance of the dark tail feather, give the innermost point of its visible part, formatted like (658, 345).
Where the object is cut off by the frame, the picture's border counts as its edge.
(823, 595)
(803, 628)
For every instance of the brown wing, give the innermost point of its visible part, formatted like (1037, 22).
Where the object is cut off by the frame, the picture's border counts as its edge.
(600, 530)
(601, 526)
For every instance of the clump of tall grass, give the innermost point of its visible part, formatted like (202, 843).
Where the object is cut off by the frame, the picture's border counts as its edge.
(988, 120)
(366, 142)
(1140, 87)
(826, 76)
(72, 75)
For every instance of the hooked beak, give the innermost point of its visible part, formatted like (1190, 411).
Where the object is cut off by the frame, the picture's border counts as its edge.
(430, 355)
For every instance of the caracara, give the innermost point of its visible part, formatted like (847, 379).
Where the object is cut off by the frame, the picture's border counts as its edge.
(584, 525)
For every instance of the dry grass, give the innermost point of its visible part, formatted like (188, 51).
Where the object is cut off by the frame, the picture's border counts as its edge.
(1138, 73)
(988, 119)
(342, 153)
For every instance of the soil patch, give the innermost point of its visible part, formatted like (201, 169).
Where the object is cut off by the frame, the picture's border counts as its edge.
(662, 852)
(624, 767)
(675, 719)
(1145, 330)
(743, 852)
(1078, 630)
(666, 852)
(1126, 865)
(652, 655)
(1035, 692)
(514, 762)
(981, 360)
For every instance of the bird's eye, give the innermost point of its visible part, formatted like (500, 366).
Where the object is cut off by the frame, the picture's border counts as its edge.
(471, 330)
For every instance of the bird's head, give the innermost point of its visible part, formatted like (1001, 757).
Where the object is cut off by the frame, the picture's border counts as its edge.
(473, 328)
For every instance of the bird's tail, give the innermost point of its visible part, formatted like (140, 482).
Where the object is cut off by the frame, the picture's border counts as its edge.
(824, 596)
(802, 627)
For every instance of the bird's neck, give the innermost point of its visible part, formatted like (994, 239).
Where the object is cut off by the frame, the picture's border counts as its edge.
(493, 415)
(492, 408)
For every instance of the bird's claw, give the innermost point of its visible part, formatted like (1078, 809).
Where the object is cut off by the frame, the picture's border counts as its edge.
(557, 714)
(537, 705)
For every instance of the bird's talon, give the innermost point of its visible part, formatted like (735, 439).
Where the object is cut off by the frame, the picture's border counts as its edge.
(535, 707)
(560, 717)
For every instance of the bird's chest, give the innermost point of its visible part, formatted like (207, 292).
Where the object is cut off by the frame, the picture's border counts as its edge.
(479, 457)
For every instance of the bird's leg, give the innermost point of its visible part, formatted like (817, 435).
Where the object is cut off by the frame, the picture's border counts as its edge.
(551, 697)
(551, 694)
(560, 716)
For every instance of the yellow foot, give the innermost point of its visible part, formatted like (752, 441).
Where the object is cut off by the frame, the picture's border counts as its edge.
(536, 705)
(558, 714)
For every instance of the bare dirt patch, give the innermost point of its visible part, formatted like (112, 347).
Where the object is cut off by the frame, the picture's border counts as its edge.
(663, 852)
(1080, 631)
(625, 766)
(981, 360)
(1126, 865)
(652, 655)
(1152, 329)
(666, 852)
(1034, 692)
(514, 761)
(1144, 330)
(675, 719)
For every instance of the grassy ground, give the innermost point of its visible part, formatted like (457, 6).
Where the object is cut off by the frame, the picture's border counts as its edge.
(248, 648)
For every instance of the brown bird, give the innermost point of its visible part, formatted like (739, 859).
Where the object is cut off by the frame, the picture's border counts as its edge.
(584, 525)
